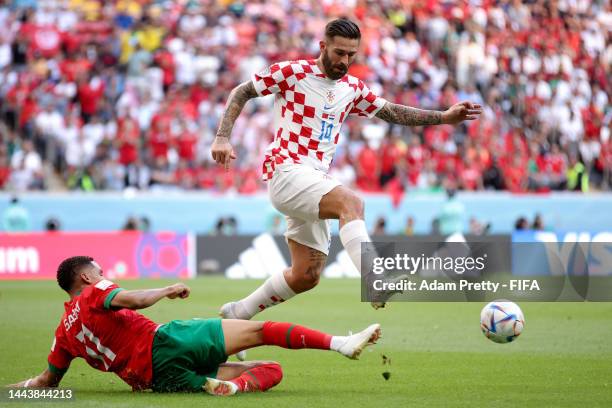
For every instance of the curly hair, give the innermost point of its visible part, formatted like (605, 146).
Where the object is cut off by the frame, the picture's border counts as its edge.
(68, 269)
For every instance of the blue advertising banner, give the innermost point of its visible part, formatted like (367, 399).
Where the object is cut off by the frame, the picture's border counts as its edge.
(572, 253)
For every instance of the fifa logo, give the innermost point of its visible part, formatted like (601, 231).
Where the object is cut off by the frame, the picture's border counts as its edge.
(330, 96)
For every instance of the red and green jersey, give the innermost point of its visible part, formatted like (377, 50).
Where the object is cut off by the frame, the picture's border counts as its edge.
(109, 339)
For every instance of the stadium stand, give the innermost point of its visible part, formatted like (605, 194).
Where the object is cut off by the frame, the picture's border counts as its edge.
(105, 95)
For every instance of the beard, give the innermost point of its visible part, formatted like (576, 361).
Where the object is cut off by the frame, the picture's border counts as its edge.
(334, 72)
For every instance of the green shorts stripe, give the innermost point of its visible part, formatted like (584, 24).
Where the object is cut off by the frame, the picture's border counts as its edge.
(185, 352)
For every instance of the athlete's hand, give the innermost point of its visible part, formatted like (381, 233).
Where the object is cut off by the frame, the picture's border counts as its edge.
(178, 290)
(222, 151)
(461, 111)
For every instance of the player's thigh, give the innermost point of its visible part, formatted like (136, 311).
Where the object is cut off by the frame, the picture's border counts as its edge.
(296, 191)
(308, 241)
(230, 370)
(185, 352)
(241, 334)
(340, 201)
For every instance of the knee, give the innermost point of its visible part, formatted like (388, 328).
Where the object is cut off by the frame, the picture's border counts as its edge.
(305, 278)
(352, 207)
(310, 280)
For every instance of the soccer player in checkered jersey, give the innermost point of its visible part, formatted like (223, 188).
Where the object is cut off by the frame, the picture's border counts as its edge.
(312, 100)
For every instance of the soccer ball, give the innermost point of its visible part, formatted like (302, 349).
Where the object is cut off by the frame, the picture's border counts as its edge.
(502, 321)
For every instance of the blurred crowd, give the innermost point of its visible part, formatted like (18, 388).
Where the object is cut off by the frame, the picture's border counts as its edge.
(104, 95)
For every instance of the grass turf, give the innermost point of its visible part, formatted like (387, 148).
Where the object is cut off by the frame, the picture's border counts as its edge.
(438, 355)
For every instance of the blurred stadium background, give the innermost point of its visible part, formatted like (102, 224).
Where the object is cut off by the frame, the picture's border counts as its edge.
(108, 110)
(107, 113)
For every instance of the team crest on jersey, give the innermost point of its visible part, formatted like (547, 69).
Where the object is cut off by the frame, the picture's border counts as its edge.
(330, 96)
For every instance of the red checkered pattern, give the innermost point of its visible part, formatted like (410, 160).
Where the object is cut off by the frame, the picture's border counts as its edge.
(309, 110)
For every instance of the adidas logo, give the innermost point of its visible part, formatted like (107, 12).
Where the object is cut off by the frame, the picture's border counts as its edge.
(264, 259)
(260, 261)
(342, 267)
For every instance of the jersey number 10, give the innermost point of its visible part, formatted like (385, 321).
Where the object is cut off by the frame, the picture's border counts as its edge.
(326, 131)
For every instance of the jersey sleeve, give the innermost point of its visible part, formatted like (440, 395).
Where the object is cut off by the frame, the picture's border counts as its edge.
(277, 78)
(366, 102)
(102, 294)
(59, 357)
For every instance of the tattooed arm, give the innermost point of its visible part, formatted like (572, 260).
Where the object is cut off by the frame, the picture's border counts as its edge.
(221, 150)
(408, 116)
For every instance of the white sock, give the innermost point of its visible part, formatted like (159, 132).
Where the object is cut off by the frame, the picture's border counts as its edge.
(273, 291)
(352, 234)
(337, 342)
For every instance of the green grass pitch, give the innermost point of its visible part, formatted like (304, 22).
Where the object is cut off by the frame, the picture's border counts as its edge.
(439, 358)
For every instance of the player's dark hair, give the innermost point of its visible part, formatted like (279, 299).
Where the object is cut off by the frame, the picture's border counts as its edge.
(67, 271)
(342, 27)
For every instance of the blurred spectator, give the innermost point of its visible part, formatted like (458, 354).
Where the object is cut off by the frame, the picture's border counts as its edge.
(521, 224)
(451, 217)
(538, 223)
(81, 179)
(5, 168)
(131, 224)
(275, 224)
(379, 227)
(145, 224)
(226, 226)
(409, 229)
(231, 226)
(53, 225)
(16, 217)
(577, 178)
(493, 178)
(435, 226)
(26, 168)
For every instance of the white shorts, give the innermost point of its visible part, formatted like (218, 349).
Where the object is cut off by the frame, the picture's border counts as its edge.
(296, 190)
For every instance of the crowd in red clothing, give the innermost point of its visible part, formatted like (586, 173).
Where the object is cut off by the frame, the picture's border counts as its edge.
(124, 93)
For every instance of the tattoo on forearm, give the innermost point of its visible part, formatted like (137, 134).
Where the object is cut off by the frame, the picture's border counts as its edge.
(236, 101)
(407, 116)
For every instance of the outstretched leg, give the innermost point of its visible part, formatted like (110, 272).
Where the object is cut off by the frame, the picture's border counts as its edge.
(240, 335)
(259, 376)
(304, 274)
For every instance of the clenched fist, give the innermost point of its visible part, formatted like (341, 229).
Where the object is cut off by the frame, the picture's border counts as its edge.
(178, 290)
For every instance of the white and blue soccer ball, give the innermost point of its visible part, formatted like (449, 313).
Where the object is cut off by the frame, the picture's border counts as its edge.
(502, 321)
